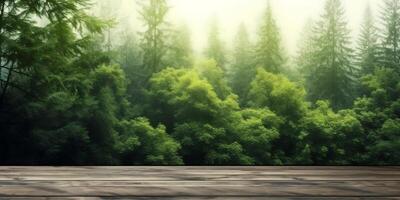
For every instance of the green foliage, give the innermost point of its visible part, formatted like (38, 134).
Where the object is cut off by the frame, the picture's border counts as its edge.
(140, 143)
(216, 49)
(180, 52)
(129, 57)
(329, 74)
(193, 111)
(67, 101)
(384, 150)
(108, 87)
(243, 70)
(257, 129)
(306, 47)
(332, 138)
(368, 49)
(378, 113)
(228, 154)
(278, 94)
(287, 100)
(269, 51)
(209, 70)
(153, 14)
(206, 144)
(210, 129)
(390, 34)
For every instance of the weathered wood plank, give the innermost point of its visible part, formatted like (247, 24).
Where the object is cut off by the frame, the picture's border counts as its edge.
(200, 198)
(189, 177)
(202, 168)
(194, 173)
(201, 182)
(202, 172)
(224, 191)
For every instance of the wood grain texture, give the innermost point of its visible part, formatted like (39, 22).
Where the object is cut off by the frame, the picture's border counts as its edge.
(199, 183)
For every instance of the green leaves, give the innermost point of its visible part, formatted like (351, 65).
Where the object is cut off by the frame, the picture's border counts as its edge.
(153, 14)
(269, 51)
(384, 150)
(278, 94)
(257, 130)
(211, 130)
(328, 69)
(189, 95)
(140, 143)
(215, 48)
(69, 103)
(333, 136)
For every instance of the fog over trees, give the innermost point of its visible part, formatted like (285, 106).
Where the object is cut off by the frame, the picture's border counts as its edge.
(105, 82)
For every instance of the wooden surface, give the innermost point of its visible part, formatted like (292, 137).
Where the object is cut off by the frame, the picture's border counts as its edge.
(200, 183)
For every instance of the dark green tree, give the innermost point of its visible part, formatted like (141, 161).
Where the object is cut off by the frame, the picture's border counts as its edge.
(22, 37)
(243, 66)
(330, 75)
(391, 34)
(368, 47)
(106, 10)
(379, 113)
(287, 101)
(269, 51)
(331, 138)
(129, 57)
(198, 119)
(180, 51)
(140, 143)
(153, 14)
(215, 48)
(209, 70)
(304, 57)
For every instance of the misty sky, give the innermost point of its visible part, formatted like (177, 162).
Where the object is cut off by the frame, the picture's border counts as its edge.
(290, 14)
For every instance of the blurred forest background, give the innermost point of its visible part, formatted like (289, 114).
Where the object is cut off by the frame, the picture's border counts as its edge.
(84, 84)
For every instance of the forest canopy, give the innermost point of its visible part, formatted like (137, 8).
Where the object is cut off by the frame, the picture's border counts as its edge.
(80, 87)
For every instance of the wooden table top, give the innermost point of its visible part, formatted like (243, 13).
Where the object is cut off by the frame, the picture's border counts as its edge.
(199, 183)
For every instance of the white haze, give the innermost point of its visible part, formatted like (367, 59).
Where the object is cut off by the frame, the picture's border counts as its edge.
(291, 16)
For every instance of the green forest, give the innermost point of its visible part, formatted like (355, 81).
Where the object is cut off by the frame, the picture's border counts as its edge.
(73, 94)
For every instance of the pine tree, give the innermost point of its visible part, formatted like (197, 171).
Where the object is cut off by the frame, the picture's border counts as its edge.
(368, 49)
(153, 14)
(269, 52)
(215, 49)
(331, 73)
(129, 57)
(391, 34)
(180, 51)
(106, 11)
(304, 58)
(243, 69)
(22, 37)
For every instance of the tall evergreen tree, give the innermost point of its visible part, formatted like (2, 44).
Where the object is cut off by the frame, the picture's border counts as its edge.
(129, 57)
(129, 51)
(391, 34)
(215, 48)
(153, 14)
(368, 49)
(331, 73)
(22, 36)
(269, 52)
(107, 10)
(55, 60)
(306, 45)
(180, 51)
(243, 70)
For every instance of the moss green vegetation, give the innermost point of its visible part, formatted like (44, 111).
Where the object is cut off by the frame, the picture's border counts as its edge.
(67, 98)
